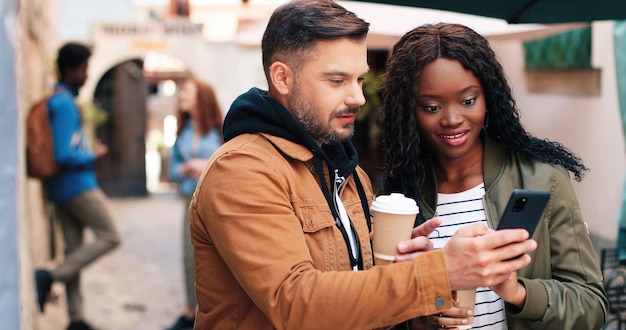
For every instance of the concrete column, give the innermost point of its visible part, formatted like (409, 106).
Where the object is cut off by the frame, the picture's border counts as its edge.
(9, 169)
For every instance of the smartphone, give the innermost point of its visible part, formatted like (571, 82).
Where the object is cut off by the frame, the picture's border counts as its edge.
(524, 209)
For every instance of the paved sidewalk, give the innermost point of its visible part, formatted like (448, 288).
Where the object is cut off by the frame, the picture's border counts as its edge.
(140, 284)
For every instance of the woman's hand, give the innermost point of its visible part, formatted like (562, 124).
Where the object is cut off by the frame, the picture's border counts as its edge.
(511, 291)
(419, 242)
(194, 167)
(448, 319)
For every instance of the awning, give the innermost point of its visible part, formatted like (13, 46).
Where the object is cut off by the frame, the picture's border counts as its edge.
(388, 23)
(526, 11)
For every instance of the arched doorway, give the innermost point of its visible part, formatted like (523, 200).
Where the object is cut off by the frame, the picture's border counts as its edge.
(121, 93)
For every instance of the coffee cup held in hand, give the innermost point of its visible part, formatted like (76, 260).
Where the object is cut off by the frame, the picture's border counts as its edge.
(393, 220)
(465, 299)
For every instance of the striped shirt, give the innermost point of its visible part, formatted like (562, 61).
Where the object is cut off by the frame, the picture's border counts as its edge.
(458, 210)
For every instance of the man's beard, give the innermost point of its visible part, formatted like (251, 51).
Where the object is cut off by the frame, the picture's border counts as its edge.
(308, 116)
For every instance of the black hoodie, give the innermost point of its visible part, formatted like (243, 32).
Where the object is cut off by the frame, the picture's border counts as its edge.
(256, 112)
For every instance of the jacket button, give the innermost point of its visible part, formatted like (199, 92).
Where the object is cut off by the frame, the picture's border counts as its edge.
(313, 169)
(439, 302)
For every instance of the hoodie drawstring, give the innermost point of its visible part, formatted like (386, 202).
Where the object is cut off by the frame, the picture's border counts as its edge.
(333, 207)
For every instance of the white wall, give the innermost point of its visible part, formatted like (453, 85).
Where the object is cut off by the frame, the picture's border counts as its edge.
(234, 69)
(75, 17)
(231, 68)
(589, 126)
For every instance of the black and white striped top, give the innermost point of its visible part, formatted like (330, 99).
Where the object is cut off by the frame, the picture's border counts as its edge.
(456, 211)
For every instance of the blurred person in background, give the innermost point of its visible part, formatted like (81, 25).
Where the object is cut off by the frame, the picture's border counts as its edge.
(74, 191)
(199, 134)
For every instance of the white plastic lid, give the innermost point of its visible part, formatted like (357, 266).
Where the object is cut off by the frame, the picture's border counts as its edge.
(395, 203)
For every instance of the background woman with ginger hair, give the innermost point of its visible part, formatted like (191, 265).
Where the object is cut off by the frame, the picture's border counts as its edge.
(199, 134)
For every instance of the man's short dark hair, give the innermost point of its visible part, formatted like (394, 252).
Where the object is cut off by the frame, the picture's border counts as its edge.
(72, 55)
(297, 26)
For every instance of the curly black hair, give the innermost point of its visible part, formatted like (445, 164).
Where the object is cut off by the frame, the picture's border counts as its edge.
(405, 151)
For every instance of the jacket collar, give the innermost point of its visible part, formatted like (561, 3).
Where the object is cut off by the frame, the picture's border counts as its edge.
(256, 112)
(493, 160)
(290, 148)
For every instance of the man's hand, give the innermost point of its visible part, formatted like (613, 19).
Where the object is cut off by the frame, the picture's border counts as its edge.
(477, 256)
(99, 149)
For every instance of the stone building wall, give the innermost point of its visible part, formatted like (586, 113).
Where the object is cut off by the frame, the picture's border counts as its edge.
(34, 67)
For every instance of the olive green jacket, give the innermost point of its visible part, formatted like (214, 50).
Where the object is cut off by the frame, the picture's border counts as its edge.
(563, 280)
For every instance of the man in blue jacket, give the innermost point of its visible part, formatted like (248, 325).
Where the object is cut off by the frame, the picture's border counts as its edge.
(74, 191)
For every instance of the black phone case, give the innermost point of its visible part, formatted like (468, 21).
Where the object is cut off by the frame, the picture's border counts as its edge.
(524, 209)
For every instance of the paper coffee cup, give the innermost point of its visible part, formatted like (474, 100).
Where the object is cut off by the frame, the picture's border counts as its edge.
(465, 299)
(393, 220)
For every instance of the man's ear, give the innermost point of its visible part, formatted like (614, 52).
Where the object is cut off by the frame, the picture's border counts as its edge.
(281, 77)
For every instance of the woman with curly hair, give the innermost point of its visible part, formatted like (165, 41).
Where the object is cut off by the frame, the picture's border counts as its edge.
(453, 141)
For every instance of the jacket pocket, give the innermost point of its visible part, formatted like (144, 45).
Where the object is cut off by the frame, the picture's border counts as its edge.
(314, 217)
(326, 246)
